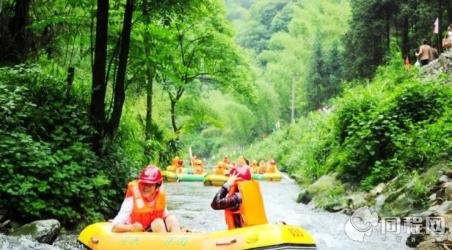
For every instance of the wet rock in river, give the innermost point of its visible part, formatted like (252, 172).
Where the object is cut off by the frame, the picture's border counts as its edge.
(44, 231)
(304, 197)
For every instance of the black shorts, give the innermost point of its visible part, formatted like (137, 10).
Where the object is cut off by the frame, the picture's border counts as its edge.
(424, 62)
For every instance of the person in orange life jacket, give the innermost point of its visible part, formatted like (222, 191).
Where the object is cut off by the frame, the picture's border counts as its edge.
(254, 167)
(179, 166)
(198, 167)
(237, 196)
(272, 167)
(144, 207)
(227, 162)
(262, 167)
(242, 161)
(220, 169)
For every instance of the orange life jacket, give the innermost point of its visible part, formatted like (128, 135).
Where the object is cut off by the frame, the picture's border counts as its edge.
(254, 169)
(271, 168)
(251, 210)
(219, 170)
(262, 169)
(145, 211)
(198, 170)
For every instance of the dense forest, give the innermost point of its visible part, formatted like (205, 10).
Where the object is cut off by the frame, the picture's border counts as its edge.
(91, 91)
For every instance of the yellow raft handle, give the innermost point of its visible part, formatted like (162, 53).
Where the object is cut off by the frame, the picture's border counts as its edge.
(233, 241)
(94, 240)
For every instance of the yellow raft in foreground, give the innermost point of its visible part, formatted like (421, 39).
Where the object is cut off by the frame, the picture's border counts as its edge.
(99, 236)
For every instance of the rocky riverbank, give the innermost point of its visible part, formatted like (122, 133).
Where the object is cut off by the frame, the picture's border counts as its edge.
(396, 198)
(40, 234)
(416, 194)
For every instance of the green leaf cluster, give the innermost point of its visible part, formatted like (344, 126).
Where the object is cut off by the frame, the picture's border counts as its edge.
(47, 167)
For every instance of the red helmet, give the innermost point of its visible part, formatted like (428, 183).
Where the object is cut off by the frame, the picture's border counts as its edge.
(243, 172)
(181, 162)
(272, 162)
(151, 174)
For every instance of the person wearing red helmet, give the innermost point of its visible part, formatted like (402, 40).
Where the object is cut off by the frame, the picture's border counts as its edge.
(180, 167)
(241, 199)
(144, 207)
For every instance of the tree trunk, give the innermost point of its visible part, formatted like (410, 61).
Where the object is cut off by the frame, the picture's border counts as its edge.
(18, 29)
(149, 74)
(405, 37)
(149, 95)
(119, 94)
(97, 108)
(173, 116)
(69, 80)
(449, 13)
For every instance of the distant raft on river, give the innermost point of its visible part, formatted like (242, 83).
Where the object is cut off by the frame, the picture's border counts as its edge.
(210, 179)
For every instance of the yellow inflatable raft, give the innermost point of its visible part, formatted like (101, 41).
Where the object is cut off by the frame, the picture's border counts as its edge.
(169, 176)
(215, 180)
(99, 236)
(273, 176)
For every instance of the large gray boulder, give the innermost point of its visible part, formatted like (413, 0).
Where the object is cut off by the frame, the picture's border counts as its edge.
(324, 183)
(448, 190)
(356, 200)
(44, 231)
(441, 65)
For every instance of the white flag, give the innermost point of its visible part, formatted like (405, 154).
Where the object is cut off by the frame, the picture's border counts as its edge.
(436, 29)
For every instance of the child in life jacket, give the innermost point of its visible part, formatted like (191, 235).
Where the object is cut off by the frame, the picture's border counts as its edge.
(144, 208)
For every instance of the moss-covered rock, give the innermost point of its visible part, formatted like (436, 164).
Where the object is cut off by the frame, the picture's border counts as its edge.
(304, 197)
(324, 183)
(44, 231)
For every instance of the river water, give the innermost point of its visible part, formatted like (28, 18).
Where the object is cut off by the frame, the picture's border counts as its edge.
(190, 202)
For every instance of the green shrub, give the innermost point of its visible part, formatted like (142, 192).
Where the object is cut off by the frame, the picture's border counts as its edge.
(47, 168)
(378, 130)
(402, 130)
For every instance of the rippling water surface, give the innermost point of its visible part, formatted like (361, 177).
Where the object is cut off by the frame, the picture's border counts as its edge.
(190, 202)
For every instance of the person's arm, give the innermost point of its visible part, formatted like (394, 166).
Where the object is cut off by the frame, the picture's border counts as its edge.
(419, 52)
(165, 213)
(122, 228)
(121, 223)
(222, 201)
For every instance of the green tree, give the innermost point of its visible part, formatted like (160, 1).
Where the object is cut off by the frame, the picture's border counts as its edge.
(198, 51)
(317, 82)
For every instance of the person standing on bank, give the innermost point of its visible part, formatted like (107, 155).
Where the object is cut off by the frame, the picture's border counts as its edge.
(425, 53)
(447, 41)
(144, 208)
